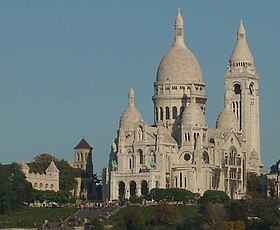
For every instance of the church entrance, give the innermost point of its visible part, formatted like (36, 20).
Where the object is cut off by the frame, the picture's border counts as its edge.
(121, 189)
(132, 188)
(144, 188)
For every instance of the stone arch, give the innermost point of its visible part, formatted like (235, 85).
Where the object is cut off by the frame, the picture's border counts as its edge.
(132, 188)
(140, 133)
(205, 157)
(161, 113)
(251, 88)
(174, 112)
(144, 188)
(141, 156)
(167, 113)
(237, 88)
(232, 155)
(121, 189)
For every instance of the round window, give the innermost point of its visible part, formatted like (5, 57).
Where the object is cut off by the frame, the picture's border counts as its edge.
(187, 156)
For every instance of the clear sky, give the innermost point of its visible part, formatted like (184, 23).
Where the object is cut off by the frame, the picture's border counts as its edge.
(66, 67)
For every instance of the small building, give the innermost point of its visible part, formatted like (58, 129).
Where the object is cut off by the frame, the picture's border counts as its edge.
(45, 181)
(83, 171)
(274, 174)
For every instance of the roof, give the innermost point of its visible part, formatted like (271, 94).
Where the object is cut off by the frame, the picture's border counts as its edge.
(241, 50)
(52, 168)
(179, 64)
(83, 144)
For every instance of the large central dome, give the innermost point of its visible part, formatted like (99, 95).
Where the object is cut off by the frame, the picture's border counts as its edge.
(179, 64)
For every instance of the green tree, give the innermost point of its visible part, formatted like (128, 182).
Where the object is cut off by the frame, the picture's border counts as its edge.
(271, 184)
(213, 196)
(157, 194)
(253, 183)
(14, 188)
(41, 162)
(236, 210)
(67, 180)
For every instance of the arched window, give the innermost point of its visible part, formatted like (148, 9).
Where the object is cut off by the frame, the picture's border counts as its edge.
(156, 118)
(144, 188)
(232, 156)
(161, 113)
(181, 183)
(174, 112)
(121, 189)
(140, 133)
(130, 160)
(141, 156)
(205, 157)
(251, 88)
(237, 88)
(132, 187)
(167, 113)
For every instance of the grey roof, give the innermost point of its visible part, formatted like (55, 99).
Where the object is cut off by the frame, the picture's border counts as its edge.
(83, 144)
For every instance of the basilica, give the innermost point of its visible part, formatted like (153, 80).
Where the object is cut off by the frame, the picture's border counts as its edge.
(179, 150)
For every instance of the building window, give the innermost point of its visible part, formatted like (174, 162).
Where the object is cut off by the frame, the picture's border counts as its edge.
(237, 89)
(161, 113)
(174, 112)
(251, 88)
(167, 113)
(181, 183)
(156, 114)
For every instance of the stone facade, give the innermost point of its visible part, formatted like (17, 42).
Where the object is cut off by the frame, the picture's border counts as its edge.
(179, 149)
(47, 181)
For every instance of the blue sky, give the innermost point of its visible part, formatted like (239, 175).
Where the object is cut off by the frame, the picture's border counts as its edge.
(66, 67)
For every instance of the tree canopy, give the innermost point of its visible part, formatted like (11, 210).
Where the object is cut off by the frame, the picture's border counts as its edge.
(213, 196)
(67, 180)
(14, 188)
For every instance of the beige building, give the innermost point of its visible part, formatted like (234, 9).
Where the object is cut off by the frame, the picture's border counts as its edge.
(179, 149)
(46, 181)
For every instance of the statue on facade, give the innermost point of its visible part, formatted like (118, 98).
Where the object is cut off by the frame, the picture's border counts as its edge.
(114, 165)
(152, 163)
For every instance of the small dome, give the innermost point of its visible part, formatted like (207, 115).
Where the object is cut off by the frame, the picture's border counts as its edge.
(254, 154)
(193, 115)
(131, 115)
(161, 130)
(179, 64)
(226, 120)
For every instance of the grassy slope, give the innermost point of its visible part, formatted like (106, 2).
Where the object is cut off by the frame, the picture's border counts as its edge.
(148, 212)
(30, 216)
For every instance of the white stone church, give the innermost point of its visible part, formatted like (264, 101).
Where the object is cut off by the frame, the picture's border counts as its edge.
(179, 150)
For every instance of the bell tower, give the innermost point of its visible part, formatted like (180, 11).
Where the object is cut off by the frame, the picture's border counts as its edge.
(242, 96)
